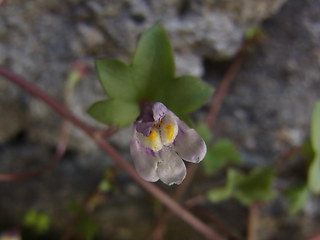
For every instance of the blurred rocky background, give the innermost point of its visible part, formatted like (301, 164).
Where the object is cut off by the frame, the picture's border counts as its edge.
(267, 111)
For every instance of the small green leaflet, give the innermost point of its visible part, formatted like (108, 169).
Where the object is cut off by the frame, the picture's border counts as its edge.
(150, 76)
(297, 197)
(246, 188)
(38, 221)
(85, 226)
(114, 112)
(219, 154)
(314, 169)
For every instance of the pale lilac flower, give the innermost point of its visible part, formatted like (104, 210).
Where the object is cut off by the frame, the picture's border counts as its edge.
(160, 143)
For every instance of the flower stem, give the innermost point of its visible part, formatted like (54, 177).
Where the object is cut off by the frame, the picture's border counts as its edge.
(106, 147)
(224, 87)
(253, 221)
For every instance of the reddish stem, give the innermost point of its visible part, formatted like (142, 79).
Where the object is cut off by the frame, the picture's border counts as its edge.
(253, 221)
(216, 222)
(60, 150)
(315, 237)
(156, 192)
(224, 88)
(286, 156)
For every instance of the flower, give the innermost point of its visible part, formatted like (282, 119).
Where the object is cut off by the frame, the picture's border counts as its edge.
(160, 143)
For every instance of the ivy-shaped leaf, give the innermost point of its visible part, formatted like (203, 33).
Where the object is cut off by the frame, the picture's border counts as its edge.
(38, 221)
(297, 197)
(185, 94)
(219, 154)
(223, 193)
(246, 188)
(257, 186)
(114, 112)
(116, 79)
(85, 226)
(315, 128)
(149, 77)
(153, 61)
(314, 169)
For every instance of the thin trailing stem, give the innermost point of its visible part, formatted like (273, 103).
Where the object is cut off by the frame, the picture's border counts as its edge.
(203, 212)
(60, 150)
(253, 221)
(88, 208)
(315, 237)
(224, 87)
(106, 147)
(61, 147)
(286, 156)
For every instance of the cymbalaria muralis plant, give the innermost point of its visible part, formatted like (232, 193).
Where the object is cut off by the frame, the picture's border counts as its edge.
(147, 94)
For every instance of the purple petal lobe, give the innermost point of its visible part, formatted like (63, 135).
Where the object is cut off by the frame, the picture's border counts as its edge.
(171, 168)
(144, 159)
(144, 128)
(189, 145)
(159, 111)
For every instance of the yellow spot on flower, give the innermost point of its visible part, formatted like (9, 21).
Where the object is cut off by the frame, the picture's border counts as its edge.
(170, 131)
(153, 141)
(153, 135)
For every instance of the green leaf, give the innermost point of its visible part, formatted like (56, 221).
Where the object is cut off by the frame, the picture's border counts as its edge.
(315, 128)
(314, 169)
(297, 197)
(149, 77)
(308, 150)
(314, 175)
(116, 79)
(30, 218)
(185, 94)
(85, 226)
(114, 112)
(219, 194)
(153, 61)
(252, 32)
(257, 186)
(223, 193)
(246, 188)
(105, 185)
(218, 155)
(44, 222)
(38, 221)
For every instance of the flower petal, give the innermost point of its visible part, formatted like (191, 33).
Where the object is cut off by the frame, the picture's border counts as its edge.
(171, 168)
(189, 145)
(159, 111)
(169, 128)
(144, 128)
(144, 159)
